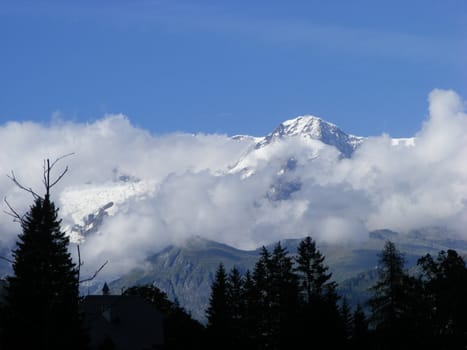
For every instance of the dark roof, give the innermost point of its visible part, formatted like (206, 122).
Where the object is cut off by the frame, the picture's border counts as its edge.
(129, 321)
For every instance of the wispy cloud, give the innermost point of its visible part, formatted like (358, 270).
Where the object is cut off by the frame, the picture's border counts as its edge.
(187, 17)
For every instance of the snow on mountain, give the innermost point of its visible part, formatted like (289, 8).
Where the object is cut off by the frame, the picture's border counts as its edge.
(253, 139)
(84, 207)
(311, 127)
(309, 132)
(292, 143)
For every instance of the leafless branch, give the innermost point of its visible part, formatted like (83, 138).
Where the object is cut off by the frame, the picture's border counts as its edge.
(60, 158)
(95, 273)
(58, 178)
(6, 259)
(13, 178)
(48, 168)
(80, 263)
(13, 213)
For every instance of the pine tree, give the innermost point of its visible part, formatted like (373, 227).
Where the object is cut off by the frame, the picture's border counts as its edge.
(218, 313)
(391, 302)
(262, 275)
(315, 281)
(43, 292)
(273, 299)
(445, 282)
(251, 318)
(283, 298)
(360, 333)
(236, 306)
(347, 319)
(320, 314)
(262, 291)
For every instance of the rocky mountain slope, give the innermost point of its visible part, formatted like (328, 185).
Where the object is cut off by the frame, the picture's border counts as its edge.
(185, 272)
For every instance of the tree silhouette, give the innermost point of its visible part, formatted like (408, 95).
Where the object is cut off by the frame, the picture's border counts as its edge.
(315, 281)
(283, 298)
(392, 301)
(262, 289)
(347, 319)
(236, 307)
(181, 331)
(43, 293)
(273, 300)
(251, 313)
(320, 314)
(360, 334)
(218, 313)
(445, 281)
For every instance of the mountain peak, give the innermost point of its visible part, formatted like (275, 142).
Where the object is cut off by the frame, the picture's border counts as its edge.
(306, 124)
(309, 126)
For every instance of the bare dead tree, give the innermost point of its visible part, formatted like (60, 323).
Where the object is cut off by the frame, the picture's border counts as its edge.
(48, 168)
(13, 213)
(81, 263)
(13, 178)
(48, 184)
(94, 275)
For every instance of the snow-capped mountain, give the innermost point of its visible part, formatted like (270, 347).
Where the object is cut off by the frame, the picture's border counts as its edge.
(311, 127)
(291, 144)
(85, 207)
(309, 133)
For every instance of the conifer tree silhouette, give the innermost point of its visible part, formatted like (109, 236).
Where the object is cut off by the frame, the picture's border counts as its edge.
(391, 302)
(217, 313)
(320, 316)
(445, 285)
(42, 309)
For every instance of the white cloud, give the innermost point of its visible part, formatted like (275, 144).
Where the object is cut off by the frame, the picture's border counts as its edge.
(381, 186)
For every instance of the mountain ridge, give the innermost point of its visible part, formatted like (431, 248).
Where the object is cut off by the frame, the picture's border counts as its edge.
(309, 126)
(185, 271)
(85, 207)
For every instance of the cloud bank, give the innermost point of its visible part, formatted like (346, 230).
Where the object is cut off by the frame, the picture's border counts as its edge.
(182, 185)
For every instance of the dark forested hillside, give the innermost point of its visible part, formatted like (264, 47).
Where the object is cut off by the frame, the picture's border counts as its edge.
(185, 272)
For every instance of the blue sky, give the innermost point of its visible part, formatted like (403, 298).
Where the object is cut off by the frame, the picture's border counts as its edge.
(234, 67)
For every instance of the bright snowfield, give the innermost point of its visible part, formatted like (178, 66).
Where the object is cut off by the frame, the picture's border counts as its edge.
(129, 193)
